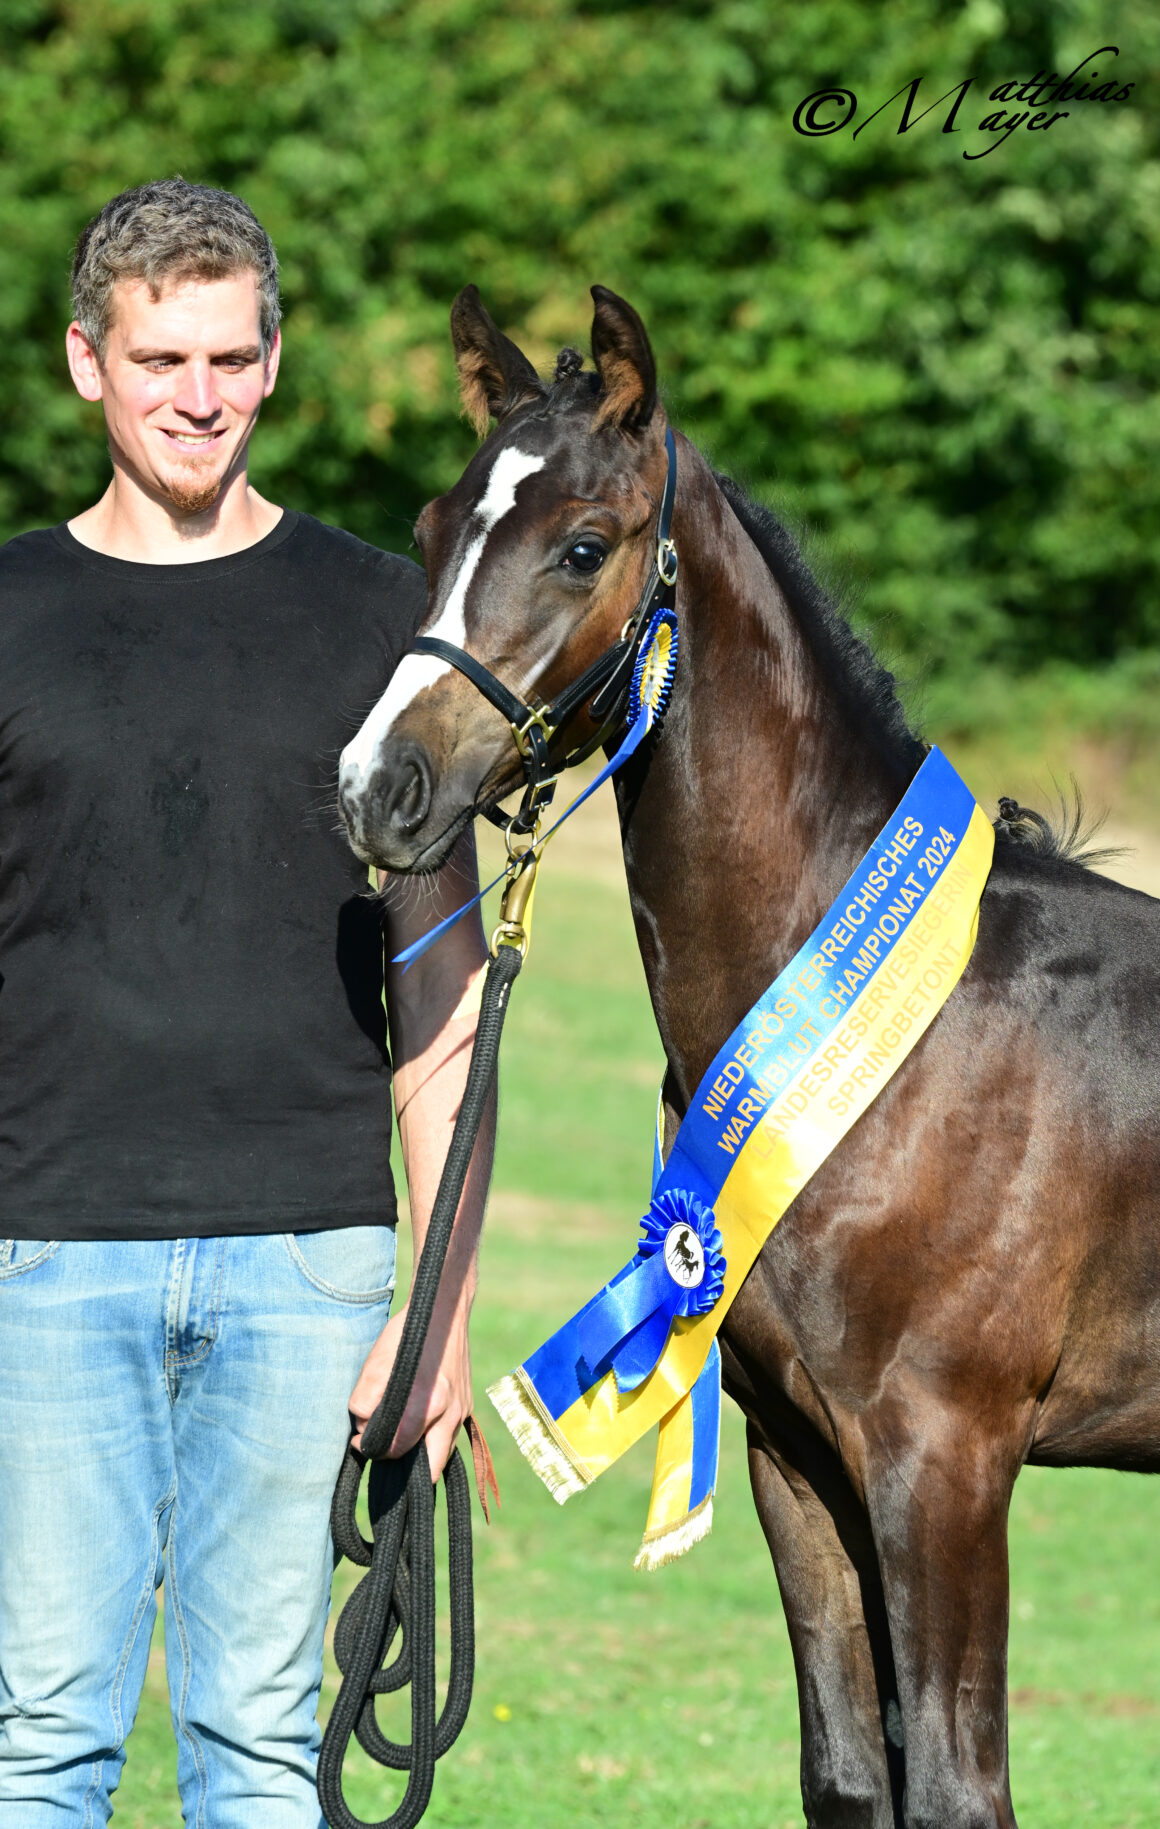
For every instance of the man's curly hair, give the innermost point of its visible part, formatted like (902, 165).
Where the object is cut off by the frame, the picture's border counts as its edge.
(163, 233)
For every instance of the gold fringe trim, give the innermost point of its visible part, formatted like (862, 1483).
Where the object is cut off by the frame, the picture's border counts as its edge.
(537, 1438)
(669, 1541)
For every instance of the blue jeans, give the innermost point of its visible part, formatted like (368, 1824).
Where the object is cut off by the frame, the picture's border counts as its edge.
(177, 1409)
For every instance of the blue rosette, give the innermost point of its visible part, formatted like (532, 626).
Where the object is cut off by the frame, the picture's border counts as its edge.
(656, 666)
(678, 1272)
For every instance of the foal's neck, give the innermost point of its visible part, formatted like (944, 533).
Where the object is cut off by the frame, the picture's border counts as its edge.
(768, 784)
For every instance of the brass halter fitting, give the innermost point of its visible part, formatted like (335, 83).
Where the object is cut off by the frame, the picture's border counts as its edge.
(537, 718)
(515, 920)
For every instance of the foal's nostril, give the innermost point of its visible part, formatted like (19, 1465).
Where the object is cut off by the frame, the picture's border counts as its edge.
(347, 801)
(408, 798)
(409, 802)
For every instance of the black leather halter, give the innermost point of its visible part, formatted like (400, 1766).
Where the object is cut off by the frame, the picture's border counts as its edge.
(606, 682)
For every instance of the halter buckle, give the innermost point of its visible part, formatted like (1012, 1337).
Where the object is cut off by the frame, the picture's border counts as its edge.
(537, 797)
(537, 718)
(667, 561)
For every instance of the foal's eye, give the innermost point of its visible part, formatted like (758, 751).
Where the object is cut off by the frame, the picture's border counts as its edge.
(585, 556)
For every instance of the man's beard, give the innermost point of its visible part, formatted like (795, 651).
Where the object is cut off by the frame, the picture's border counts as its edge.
(192, 493)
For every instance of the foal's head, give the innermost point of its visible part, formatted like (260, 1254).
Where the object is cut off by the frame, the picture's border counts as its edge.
(534, 561)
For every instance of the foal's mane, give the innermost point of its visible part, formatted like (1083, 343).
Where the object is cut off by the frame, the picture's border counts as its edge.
(867, 689)
(863, 685)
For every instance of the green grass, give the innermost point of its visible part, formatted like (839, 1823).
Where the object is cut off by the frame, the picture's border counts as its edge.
(668, 1701)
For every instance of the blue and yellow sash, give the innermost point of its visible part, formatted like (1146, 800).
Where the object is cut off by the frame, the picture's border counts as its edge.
(789, 1083)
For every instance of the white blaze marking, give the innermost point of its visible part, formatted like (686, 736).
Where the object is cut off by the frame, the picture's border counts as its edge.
(416, 671)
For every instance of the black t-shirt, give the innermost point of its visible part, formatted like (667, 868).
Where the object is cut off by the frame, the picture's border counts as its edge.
(192, 1032)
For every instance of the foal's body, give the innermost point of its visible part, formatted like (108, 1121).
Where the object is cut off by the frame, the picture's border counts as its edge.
(972, 1279)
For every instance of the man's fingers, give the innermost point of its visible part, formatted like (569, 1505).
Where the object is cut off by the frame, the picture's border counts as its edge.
(437, 1405)
(434, 1417)
(364, 1401)
(373, 1379)
(440, 1441)
(438, 1423)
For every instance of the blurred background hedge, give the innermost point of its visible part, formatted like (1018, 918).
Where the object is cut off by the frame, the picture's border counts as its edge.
(946, 368)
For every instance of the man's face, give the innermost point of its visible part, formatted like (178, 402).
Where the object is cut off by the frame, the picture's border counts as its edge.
(181, 382)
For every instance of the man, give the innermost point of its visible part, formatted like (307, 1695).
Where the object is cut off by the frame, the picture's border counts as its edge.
(194, 1067)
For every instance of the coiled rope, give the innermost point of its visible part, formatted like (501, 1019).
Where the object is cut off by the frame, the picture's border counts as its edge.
(398, 1594)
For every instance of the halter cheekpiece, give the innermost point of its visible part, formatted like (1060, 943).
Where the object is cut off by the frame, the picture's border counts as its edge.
(607, 682)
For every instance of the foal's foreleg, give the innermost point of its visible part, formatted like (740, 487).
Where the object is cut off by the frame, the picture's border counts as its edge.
(824, 1558)
(938, 1485)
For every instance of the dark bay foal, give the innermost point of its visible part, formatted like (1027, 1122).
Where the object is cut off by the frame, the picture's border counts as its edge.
(972, 1280)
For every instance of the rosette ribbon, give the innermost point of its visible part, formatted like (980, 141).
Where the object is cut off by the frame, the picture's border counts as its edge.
(678, 1271)
(780, 1095)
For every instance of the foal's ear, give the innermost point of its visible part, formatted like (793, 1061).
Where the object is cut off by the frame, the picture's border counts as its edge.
(494, 376)
(624, 360)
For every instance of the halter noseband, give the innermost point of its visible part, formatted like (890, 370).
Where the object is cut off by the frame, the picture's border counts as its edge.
(606, 682)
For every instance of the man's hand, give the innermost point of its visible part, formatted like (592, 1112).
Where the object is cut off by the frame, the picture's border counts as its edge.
(440, 1400)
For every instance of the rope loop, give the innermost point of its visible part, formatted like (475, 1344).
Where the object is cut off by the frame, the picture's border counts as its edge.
(395, 1600)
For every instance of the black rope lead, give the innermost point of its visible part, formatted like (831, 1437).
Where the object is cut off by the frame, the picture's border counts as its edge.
(397, 1596)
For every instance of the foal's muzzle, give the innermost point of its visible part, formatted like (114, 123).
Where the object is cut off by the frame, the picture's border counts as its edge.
(389, 803)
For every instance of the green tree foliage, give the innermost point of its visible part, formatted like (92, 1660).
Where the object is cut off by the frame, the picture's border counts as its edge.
(946, 366)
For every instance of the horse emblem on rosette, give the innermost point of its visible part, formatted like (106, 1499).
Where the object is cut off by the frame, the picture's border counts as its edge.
(968, 1278)
(684, 1256)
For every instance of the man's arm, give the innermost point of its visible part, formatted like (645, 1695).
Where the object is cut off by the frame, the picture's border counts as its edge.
(432, 1010)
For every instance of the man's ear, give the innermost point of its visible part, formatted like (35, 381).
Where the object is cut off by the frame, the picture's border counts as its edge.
(624, 361)
(494, 376)
(270, 366)
(83, 365)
